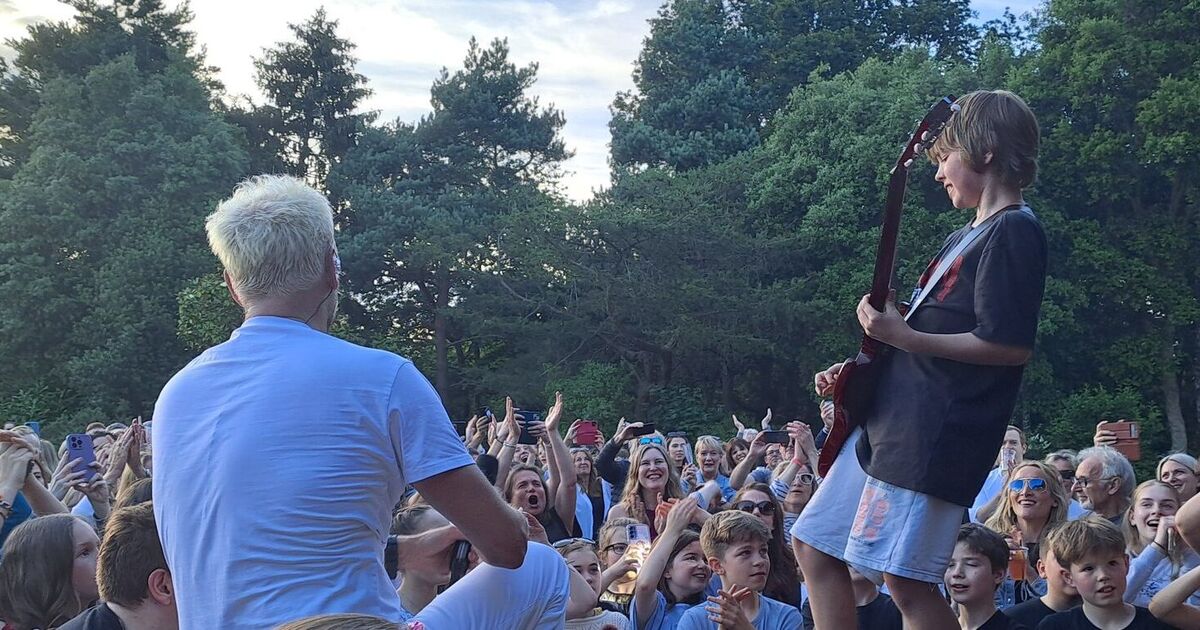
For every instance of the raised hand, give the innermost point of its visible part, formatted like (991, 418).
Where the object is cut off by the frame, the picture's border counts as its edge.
(572, 432)
(510, 420)
(738, 423)
(555, 413)
(1104, 437)
(758, 446)
(680, 514)
(623, 429)
(766, 421)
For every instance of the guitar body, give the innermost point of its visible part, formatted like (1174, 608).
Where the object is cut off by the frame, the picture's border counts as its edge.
(854, 389)
(853, 395)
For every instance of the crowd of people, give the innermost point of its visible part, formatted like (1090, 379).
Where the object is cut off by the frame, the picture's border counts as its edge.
(293, 480)
(655, 530)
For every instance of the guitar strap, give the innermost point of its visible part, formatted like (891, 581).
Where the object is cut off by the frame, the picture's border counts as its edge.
(948, 260)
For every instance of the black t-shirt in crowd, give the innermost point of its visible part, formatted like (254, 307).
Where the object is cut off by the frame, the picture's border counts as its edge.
(1074, 619)
(556, 529)
(1001, 621)
(936, 424)
(98, 617)
(1030, 612)
(880, 614)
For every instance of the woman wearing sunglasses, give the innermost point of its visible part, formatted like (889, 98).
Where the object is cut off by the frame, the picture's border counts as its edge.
(783, 582)
(1034, 500)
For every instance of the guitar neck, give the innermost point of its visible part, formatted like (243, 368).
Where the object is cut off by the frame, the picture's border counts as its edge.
(885, 256)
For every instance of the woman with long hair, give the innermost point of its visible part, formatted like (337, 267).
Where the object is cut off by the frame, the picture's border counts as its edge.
(783, 582)
(674, 575)
(48, 572)
(1159, 555)
(651, 479)
(735, 451)
(1033, 500)
(594, 495)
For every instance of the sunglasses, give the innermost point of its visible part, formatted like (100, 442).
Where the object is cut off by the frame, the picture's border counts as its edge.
(653, 439)
(763, 507)
(1034, 485)
(567, 542)
(1067, 475)
(806, 479)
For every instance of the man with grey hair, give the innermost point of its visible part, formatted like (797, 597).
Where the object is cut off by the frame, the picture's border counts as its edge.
(1104, 482)
(281, 452)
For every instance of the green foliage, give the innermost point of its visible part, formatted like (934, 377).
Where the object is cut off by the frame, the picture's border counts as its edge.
(207, 313)
(98, 228)
(683, 408)
(596, 391)
(314, 92)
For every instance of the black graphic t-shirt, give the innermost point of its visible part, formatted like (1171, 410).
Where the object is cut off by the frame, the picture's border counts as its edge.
(937, 424)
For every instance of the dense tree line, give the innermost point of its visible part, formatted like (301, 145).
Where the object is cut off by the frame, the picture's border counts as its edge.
(715, 275)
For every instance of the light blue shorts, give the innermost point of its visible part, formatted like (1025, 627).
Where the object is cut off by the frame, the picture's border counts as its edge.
(877, 527)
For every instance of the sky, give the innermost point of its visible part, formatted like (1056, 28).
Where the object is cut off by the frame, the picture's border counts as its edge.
(585, 51)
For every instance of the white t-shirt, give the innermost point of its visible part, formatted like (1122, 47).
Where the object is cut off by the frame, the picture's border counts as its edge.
(279, 456)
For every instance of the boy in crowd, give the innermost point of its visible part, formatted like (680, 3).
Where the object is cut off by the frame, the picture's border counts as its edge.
(1092, 550)
(135, 584)
(1059, 596)
(977, 568)
(736, 546)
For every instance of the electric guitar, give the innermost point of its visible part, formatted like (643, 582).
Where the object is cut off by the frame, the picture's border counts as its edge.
(854, 389)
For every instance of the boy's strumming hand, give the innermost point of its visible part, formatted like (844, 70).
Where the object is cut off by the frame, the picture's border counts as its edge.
(824, 381)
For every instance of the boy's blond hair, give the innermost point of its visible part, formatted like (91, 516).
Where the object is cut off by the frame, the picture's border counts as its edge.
(728, 528)
(997, 122)
(1088, 536)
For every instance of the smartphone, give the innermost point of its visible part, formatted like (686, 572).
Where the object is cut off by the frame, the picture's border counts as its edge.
(639, 544)
(1129, 441)
(79, 446)
(36, 426)
(587, 434)
(776, 437)
(647, 429)
(459, 563)
(524, 419)
(687, 454)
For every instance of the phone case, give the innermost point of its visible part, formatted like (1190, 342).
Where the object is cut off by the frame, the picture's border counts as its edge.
(1129, 442)
(79, 446)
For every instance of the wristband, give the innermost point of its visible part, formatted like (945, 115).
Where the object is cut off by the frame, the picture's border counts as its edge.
(798, 462)
(1160, 546)
(509, 444)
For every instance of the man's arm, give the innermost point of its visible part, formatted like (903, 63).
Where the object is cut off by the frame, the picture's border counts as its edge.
(464, 497)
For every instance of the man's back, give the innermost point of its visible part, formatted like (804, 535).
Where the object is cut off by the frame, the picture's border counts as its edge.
(278, 458)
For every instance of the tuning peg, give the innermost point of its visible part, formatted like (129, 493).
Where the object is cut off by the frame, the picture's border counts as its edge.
(924, 136)
(908, 163)
(917, 148)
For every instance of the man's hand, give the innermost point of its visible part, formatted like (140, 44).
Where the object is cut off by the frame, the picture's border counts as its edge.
(888, 327)
(803, 444)
(824, 381)
(1103, 436)
(766, 421)
(537, 533)
(428, 552)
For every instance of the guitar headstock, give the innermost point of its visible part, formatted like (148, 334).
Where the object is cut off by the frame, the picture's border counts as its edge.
(928, 130)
